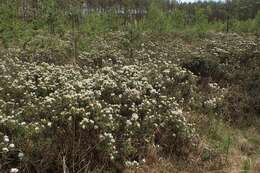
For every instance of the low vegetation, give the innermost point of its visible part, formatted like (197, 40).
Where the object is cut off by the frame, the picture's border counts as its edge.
(108, 110)
(172, 90)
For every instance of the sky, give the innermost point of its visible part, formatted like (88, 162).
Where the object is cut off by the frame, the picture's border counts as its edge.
(197, 0)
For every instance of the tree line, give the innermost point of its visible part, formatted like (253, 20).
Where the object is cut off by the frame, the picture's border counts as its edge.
(215, 10)
(107, 15)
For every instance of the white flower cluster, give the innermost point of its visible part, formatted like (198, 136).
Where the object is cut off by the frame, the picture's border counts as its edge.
(131, 164)
(216, 97)
(6, 145)
(9, 149)
(14, 170)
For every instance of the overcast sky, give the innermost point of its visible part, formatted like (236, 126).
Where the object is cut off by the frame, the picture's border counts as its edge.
(197, 0)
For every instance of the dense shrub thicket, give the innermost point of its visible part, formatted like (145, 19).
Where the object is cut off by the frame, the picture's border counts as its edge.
(105, 108)
(233, 62)
(97, 117)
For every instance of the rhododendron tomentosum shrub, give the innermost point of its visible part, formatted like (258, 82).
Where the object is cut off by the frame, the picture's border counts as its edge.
(107, 116)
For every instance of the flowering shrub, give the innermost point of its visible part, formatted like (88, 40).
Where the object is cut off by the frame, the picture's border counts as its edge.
(107, 108)
(10, 155)
(107, 116)
(232, 61)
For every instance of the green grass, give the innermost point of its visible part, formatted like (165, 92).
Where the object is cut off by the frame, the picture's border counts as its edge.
(246, 166)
